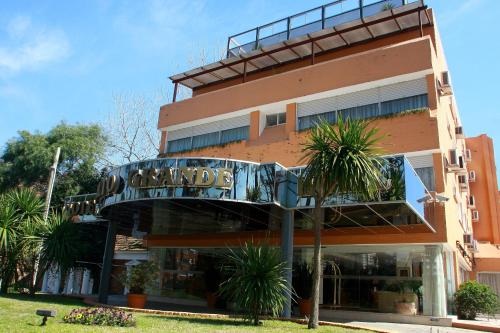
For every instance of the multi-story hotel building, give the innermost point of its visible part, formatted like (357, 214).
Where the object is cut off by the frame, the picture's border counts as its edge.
(231, 157)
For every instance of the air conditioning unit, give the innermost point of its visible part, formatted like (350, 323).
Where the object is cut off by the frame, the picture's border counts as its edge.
(462, 181)
(468, 155)
(456, 162)
(453, 161)
(461, 162)
(472, 176)
(473, 247)
(475, 215)
(471, 202)
(459, 132)
(468, 240)
(445, 86)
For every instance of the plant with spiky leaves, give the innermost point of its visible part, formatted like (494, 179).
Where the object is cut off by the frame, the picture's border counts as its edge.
(256, 280)
(340, 159)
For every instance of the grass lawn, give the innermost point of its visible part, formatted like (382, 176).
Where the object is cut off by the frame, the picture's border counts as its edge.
(17, 314)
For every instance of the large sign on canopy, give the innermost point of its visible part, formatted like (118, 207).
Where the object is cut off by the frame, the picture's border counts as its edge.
(237, 181)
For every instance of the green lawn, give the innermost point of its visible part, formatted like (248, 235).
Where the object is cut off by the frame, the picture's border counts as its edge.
(17, 314)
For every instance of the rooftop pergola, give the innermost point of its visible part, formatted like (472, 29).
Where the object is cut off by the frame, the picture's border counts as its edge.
(318, 37)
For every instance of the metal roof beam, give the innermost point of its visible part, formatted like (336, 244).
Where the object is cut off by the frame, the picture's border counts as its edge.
(289, 46)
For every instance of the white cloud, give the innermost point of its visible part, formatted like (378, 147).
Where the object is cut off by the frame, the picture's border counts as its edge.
(465, 7)
(30, 47)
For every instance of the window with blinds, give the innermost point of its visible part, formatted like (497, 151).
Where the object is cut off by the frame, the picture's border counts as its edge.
(208, 134)
(365, 104)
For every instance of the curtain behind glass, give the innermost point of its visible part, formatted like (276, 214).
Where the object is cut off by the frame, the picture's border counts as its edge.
(179, 145)
(234, 134)
(427, 177)
(492, 280)
(404, 104)
(311, 121)
(360, 112)
(205, 140)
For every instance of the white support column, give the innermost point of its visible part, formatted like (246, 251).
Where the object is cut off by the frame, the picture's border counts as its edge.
(57, 281)
(69, 282)
(125, 288)
(433, 280)
(85, 282)
(45, 281)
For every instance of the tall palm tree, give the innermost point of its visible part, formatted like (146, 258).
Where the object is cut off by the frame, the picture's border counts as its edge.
(340, 159)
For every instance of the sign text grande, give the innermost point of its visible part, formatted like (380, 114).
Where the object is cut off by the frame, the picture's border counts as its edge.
(183, 176)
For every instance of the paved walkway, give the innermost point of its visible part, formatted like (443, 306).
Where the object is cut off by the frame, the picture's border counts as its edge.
(408, 328)
(391, 327)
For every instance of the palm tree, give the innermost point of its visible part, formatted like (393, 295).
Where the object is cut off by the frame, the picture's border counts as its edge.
(59, 242)
(340, 159)
(29, 208)
(21, 212)
(8, 242)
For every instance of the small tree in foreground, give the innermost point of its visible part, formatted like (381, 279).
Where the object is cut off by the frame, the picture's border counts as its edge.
(340, 159)
(473, 298)
(256, 280)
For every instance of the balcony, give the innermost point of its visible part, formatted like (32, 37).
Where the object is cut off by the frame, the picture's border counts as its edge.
(305, 23)
(303, 36)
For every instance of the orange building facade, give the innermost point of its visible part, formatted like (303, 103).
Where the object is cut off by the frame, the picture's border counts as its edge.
(392, 69)
(252, 111)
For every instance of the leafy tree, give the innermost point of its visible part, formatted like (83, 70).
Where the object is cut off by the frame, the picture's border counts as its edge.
(27, 159)
(473, 298)
(256, 280)
(340, 159)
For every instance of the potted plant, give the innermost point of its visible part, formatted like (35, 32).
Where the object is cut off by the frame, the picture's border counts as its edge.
(302, 283)
(212, 282)
(406, 303)
(387, 6)
(139, 278)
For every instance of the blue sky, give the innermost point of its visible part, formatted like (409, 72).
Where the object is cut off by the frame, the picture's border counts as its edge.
(63, 60)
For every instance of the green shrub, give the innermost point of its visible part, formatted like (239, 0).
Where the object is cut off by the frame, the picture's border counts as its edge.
(473, 298)
(100, 317)
(256, 281)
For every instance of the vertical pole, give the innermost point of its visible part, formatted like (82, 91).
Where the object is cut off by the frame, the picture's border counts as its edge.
(361, 9)
(322, 17)
(420, 24)
(288, 22)
(175, 92)
(106, 263)
(245, 71)
(313, 54)
(228, 45)
(257, 33)
(287, 255)
(52, 179)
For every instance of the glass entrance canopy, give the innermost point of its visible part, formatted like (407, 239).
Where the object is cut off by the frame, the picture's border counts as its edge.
(178, 184)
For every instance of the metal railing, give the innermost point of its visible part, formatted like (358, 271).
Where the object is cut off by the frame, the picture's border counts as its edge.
(301, 24)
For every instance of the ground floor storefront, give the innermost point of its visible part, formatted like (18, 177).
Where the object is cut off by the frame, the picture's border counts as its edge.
(380, 255)
(382, 278)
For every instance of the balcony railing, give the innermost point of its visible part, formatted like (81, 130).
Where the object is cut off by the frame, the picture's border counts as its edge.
(302, 24)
